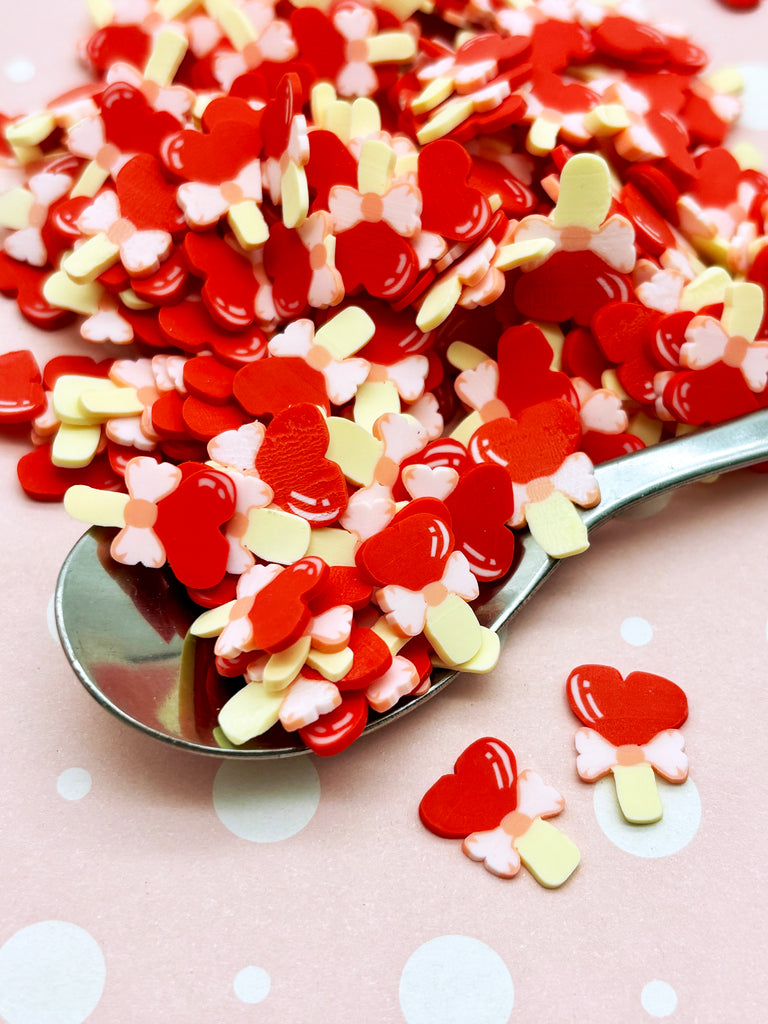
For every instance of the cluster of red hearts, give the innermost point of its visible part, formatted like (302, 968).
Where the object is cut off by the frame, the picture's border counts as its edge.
(394, 278)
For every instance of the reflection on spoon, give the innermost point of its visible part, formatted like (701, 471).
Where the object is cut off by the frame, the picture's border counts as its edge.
(125, 629)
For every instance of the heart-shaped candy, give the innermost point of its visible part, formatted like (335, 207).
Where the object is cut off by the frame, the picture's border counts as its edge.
(625, 710)
(479, 793)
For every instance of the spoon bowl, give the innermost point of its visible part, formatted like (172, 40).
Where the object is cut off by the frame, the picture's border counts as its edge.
(125, 630)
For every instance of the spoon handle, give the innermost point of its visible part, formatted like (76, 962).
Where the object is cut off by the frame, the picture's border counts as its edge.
(648, 473)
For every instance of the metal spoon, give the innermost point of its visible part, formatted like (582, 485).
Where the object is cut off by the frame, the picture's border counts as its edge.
(124, 630)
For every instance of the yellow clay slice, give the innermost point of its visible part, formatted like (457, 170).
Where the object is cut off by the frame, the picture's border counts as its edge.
(390, 636)
(486, 658)
(106, 403)
(248, 224)
(91, 259)
(448, 117)
(283, 667)
(556, 526)
(453, 630)
(74, 447)
(439, 303)
(66, 395)
(338, 119)
(331, 666)
(166, 57)
(606, 119)
(102, 12)
(15, 207)
(743, 312)
(353, 449)
(542, 136)
(213, 621)
(365, 118)
(249, 713)
(237, 28)
(432, 95)
(375, 167)
(99, 508)
(30, 131)
(638, 793)
(374, 399)
(463, 431)
(390, 48)
(334, 546)
(549, 855)
(320, 98)
(294, 196)
(707, 289)
(464, 357)
(346, 333)
(585, 192)
(61, 291)
(276, 536)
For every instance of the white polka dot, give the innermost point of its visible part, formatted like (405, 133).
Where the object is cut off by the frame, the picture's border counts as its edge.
(50, 618)
(636, 631)
(454, 979)
(19, 70)
(266, 802)
(252, 985)
(754, 98)
(51, 972)
(680, 821)
(74, 783)
(659, 999)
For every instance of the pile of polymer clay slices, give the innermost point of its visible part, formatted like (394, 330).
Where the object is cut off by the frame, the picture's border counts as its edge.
(394, 277)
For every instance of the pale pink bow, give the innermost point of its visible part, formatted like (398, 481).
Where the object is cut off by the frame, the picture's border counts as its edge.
(613, 241)
(574, 478)
(496, 847)
(26, 244)
(204, 205)
(706, 343)
(406, 610)
(148, 482)
(140, 251)
(342, 376)
(399, 207)
(664, 752)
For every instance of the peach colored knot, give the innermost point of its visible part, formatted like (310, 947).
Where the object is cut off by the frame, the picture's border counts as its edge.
(121, 231)
(232, 193)
(240, 608)
(630, 754)
(284, 162)
(107, 156)
(539, 489)
(515, 823)
(386, 472)
(150, 91)
(252, 55)
(147, 394)
(37, 215)
(575, 238)
(493, 410)
(377, 374)
(140, 513)
(435, 593)
(237, 525)
(318, 256)
(371, 207)
(318, 357)
(356, 51)
(735, 351)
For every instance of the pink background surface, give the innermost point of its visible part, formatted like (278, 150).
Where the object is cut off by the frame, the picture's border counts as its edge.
(177, 904)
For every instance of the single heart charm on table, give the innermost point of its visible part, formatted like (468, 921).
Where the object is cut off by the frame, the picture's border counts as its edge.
(631, 730)
(500, 815)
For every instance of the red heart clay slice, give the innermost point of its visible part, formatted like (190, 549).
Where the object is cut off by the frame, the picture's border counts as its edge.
(334, 732)
(212, 158)
(410, 553)
(451, 207)
(292, 461)
(21, 389)
(229, 292)
(481, 790)
(189, 525)
(280, 612)
(43, 481)
(268, 387)
(146, 198)
(525, 374)
(570, 285)
(131, 123)
(371, 659)
(478, 522)
(376, 258)
(535, 445)
(630, 710)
